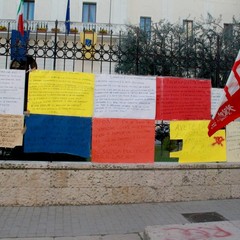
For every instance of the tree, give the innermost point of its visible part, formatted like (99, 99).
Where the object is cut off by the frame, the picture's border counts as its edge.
(205, 51)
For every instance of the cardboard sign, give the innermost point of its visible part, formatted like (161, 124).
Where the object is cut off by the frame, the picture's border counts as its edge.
(216, 94)
(11, 130)
(233, 141)
(12, 83)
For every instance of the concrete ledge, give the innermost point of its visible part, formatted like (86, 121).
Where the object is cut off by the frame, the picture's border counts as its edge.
(209, 230)
(73, 183)
(89, 165)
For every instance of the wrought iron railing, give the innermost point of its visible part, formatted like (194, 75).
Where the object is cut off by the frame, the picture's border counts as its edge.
(111, 51)
(54, 49)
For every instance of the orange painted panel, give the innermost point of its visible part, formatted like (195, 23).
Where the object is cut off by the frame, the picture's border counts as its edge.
(123, 140)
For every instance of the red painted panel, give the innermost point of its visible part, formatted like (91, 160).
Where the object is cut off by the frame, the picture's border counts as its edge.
(183, 99)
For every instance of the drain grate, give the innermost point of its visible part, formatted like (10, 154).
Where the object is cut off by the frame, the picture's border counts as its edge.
(204, 217)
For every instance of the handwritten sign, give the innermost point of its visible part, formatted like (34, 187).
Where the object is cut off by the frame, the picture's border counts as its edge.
(12, 84)
(11, 130)
(216, 94)
(197, 146)
(61, 93)
(233, 141)
(58, 134)
(118, 96)
(183, 99)
(123, 141)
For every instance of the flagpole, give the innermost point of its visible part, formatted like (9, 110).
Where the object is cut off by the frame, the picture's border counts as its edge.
(67, 20)
(110, 12)
(20, 20)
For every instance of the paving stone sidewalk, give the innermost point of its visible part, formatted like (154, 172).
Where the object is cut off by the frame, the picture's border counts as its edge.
(102, 221)
(223, 230)
(107, 237)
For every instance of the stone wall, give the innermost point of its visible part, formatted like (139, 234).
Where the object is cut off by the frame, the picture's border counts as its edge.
(74, 183)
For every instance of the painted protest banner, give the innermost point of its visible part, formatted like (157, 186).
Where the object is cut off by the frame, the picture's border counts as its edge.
(197, 145)
(123, 141)
(233, 141)
(12, 91)
(11, 130)
(131, 97)
(183, 99)
(61, 93)
(58, 134)
(216, 94)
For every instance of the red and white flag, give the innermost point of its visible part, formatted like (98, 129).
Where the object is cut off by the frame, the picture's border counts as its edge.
(229, 107)
(20, 20)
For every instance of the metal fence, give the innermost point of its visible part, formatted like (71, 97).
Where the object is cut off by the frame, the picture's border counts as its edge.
(101, 51)
(56, 50)
(109, 51)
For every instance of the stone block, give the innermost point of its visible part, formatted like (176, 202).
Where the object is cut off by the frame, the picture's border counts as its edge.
(59, 178)
(27, 196)
(120, 195)
(163, 178)
(235, 191)
(80, 178)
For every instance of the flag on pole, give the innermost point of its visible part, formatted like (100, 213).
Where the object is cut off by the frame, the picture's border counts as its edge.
(20, 20)
(67, 21)
(19, 45)
(229, 107)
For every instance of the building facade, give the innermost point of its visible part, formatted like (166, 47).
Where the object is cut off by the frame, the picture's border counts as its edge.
(123, 11)
(68, 52)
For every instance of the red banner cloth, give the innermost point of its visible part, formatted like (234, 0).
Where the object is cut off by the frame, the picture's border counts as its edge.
(229, 108)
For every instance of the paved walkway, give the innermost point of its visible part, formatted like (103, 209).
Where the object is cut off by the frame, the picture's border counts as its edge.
(103, 222)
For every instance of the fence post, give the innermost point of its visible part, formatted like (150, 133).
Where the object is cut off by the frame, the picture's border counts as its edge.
(8, 48)
(137, 54)
(55, 46)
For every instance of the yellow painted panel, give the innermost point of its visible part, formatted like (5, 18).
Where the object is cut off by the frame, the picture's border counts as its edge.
(61, 93)
(197, 145)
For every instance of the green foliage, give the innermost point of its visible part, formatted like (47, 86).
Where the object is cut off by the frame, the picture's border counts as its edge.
(206, 50)
(134, 47)
(169, 145)
(163, 155)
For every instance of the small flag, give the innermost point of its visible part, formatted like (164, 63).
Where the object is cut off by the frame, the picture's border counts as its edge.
(20, 20)
(67, 21)
(19, 45)
(229, 107)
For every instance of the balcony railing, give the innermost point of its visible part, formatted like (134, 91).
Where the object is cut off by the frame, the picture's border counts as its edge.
(49, 26)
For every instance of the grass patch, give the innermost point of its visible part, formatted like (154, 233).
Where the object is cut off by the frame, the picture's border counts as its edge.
(163, 155)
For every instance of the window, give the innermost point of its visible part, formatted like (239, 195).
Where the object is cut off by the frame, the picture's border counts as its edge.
(228, 30)
(89, 12)
(188, 27)
(28, 9)
(145, 24)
